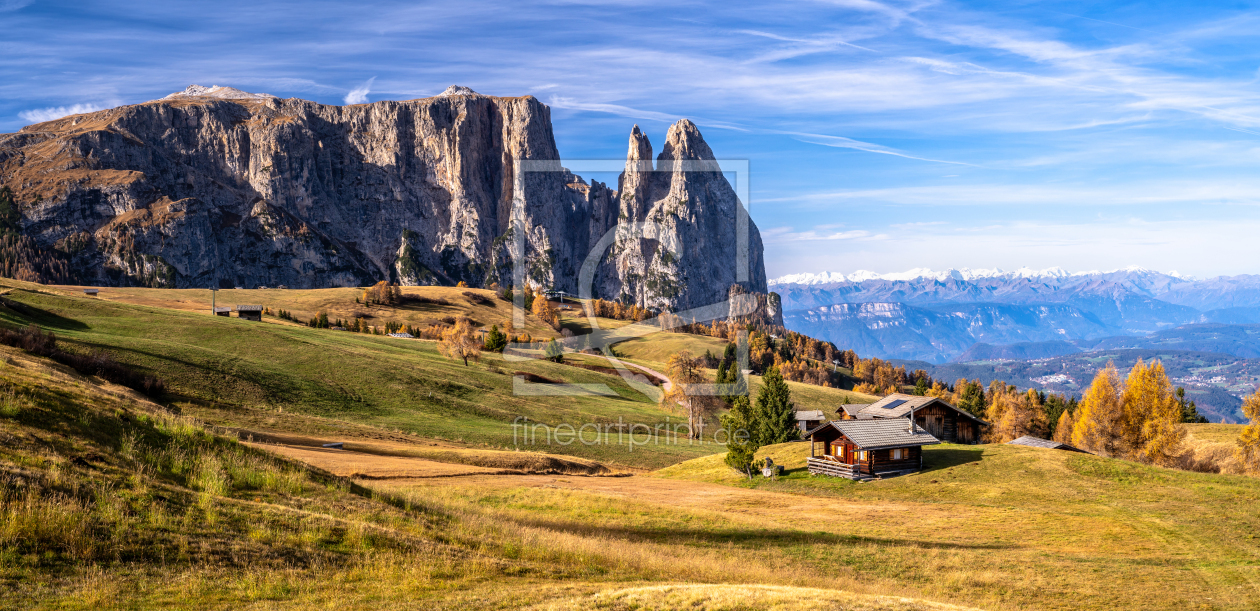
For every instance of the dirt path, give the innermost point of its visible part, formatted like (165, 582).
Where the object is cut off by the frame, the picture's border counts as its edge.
(666, 385)
(346, 463)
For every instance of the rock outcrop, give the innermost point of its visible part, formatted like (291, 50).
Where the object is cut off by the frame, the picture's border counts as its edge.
(216, 187)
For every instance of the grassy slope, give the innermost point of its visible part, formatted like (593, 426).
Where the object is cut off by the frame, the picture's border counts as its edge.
(338, 303)
(1043, 529)
(289, 378)
(109, 502)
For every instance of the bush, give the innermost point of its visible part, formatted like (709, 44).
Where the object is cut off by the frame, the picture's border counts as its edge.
(479, 299)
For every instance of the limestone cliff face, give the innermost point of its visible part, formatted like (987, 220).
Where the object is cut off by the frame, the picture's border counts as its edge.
(217, 187)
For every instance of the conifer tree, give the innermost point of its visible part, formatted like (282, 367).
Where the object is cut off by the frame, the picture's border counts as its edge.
(741, 446)
(1099, 424)
(774, 414)
(553, 352)
(1249, 439)
(496, 341)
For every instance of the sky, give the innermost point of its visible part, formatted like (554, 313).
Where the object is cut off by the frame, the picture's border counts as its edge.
(880, 135)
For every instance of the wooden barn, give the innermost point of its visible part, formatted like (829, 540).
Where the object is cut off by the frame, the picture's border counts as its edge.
(942, 420)
(220, 311)
(808, 420)
(249, 312)
(861, 449)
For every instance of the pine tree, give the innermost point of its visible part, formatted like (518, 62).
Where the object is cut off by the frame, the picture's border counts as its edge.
(920, 387)
(741, 447)
(496, 341)
(1249, 438)
(553, 352)
(774, 414)
(1189, 411)
(1099, 424)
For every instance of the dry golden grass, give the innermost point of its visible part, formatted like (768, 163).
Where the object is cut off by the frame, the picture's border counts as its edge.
(338, 303)
(738, 597)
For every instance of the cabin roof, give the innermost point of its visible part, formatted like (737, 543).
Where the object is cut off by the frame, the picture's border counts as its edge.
(898, 405)
(249, 308)
(853, 409)
(879, 434)
(810, 415)
(1037, 442)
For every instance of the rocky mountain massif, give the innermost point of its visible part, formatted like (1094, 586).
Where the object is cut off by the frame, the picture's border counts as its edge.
(215, 187)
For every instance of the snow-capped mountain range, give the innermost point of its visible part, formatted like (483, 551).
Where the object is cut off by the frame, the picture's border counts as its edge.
(964, 273)
(939, 315)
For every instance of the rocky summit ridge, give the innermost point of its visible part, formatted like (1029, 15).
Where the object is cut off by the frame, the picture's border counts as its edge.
(217, 187)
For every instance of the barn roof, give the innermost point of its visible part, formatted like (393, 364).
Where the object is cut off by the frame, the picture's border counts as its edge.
(898, 405)
(810, 415)
(880, 434)
(1037, 442)
(249, 308)
(853, 409)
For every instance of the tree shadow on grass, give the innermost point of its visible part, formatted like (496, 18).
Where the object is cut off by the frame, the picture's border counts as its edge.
(950, 456)
(22, 314)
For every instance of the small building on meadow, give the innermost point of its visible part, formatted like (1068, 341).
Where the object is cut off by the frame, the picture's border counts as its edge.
(91, 292)
(402, 335)
(862, 449)
(942, 420)
(249, 312)
(1037, 442)
(808, 420)
(850, 411)
(222, 311)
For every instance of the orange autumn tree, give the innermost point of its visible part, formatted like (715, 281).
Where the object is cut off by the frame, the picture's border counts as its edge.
(460, 342)
(1249, 438)
(1152, 415)
(1100, 418)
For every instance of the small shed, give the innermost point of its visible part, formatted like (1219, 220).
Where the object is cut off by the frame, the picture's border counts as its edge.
(808, 420)
(222, 311)
(1037, 442)
(249, 312)
(402, 335)
(92, 292)
(862, 449)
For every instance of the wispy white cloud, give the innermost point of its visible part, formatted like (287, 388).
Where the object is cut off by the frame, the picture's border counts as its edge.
(359, 94)
(40, 115)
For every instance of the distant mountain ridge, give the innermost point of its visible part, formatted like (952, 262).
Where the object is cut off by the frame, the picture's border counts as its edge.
(937, 316)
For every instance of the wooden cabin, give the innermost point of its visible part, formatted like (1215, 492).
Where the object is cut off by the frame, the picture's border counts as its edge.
(808, 420)
(249, 312)
(91, 292)
(1037, 442)
(944, 421)
(862, 449)
(218, 311)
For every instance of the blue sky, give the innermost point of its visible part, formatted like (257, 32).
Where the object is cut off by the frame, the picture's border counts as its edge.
(881, 135)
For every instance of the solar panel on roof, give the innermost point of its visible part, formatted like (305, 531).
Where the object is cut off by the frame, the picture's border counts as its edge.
(893, 404)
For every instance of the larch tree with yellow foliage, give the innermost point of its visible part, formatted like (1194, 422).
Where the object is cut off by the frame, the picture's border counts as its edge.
(1152, 415)
(1249, 439)
(460, 342)
(684, 372)
(1063, 430)
(1100, 418)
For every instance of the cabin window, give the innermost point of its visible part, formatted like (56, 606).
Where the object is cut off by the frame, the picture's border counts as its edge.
(897, 454)
(862, 455)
